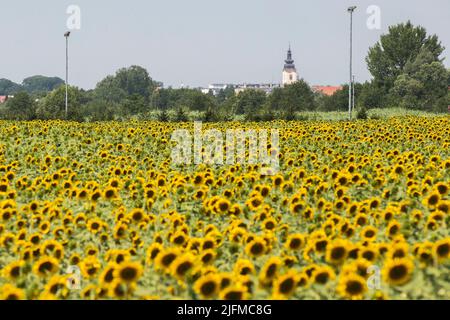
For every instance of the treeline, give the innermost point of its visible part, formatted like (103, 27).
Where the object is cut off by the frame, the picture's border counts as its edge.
(35, 85)
(405, 64)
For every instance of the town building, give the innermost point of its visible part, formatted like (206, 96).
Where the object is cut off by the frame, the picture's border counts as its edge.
(3, 99)
(327, 90)
(290, 74)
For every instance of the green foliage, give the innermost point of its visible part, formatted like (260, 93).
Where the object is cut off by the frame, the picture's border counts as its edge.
(21, 107)
(423, 83)
(181, 115)
(388, 58)
(53, 105)
(163, 116)
(125, 83)
(38, 84)
(362, 114)
(293, 98)
(7, 87)
(249, 102)
(35, 85)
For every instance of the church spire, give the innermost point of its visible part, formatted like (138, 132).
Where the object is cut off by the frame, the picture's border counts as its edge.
(289, 61)
(290, 74)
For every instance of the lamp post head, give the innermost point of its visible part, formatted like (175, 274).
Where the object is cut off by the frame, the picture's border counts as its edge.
(67, 34)
(351, 9)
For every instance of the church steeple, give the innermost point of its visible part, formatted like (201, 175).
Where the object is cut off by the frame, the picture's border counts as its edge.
(289, 61)
(289, 72)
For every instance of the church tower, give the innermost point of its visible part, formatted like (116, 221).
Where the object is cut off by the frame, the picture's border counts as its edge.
(290, 74)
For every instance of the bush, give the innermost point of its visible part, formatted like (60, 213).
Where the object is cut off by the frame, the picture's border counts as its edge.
(163, 116)
(361, 114)
(181, 115)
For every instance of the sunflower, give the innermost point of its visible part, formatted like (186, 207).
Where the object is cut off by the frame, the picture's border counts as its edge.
(337, 251)
(117, 289)
(256, 247)
(207, 286)
(285, 285)
(369, 253)
(270, 270)
(398, 250)
(90, 266)
(295, 241)
(223, 205)
(235, 292)
(398, 271)
(369, 233)
(432, 200)
(136, 215)
(441, 250)
(442, 188)
(322, 274)
(110, 193)
(75, 259)
(182, 265)
(254, 203)
(208, 256)
(120, 231)
(107, 275)
(45, 266)
(393, 228)
(153, 250)
(57, 286)
(128, 272)
(244, 267)
(165, 258)
(13, 270)
(352, 286)
(94, 225)
(10, 292)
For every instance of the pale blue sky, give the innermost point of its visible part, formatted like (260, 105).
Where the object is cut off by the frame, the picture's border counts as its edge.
(198, 42)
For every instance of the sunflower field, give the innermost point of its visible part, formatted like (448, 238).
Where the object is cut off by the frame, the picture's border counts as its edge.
(358, 210)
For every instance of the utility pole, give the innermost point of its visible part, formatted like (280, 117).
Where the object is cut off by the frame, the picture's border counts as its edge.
(66, 35)
(350, 88)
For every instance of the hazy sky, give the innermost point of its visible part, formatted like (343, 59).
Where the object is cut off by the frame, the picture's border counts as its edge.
(198, 42)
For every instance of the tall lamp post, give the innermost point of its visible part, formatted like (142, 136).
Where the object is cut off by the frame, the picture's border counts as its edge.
(66, 35)
(350, 88)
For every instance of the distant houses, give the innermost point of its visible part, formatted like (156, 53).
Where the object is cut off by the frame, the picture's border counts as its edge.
(216, 88)
(289, 76)
(326, 90)
(3, 99)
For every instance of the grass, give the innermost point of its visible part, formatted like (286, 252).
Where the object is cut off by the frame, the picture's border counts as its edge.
(312, 115)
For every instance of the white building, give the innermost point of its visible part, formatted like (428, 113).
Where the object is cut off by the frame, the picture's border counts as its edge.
(215, 88)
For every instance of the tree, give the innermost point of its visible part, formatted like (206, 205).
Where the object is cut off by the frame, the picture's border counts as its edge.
(53, 105)
(249, 102)
(134, 104)
(7, 87)
(297, 97)
(38, 84)
(388, 58)
(21, 107)
(134, 80)
(126, 82)
(423, 83)
(371, 96)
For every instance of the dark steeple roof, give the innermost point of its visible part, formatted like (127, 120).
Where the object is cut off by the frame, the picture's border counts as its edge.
(289, 61)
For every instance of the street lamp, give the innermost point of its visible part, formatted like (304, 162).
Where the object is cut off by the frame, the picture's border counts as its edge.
(66, 35)
(350, 88)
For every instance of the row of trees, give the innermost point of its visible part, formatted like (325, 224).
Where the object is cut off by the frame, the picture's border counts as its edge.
(405, 64)
(36, 85)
